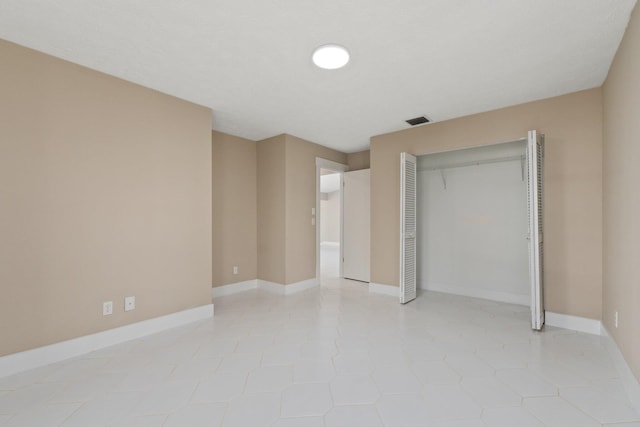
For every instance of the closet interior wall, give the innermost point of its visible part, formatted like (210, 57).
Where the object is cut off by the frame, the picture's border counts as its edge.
(472, 222)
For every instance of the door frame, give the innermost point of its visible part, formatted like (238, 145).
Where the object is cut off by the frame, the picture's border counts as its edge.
(341, 169)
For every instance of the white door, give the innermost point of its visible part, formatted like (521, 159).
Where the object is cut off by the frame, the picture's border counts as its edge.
(356, 232)
(535, 157)
(407, 227)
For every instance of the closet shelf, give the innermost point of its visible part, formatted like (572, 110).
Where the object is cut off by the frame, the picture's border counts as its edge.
(520, 158)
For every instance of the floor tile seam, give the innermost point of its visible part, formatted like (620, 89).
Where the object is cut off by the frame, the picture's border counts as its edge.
(226, 412)
(462, 377)
(153, 414)
(49, 402)
(532, 414)
(71, 414)
(192, 402)
(518, 393)
(378, 414)
(625, 402)
(14, 415)
(11, 417)
(199, 383)
(482, 408)
(246, 382)
(191, 395)
(473, 399)
(571, 405)
(333, 400)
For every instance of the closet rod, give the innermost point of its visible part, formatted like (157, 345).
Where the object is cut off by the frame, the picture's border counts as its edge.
(472, 163)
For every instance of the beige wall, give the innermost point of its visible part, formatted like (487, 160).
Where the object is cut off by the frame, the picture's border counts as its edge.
(286, 195)
(235, 238)
(621, 290)
(271, 209)
(300, 199)
(105, 191)
(359, 160)
(573, 189)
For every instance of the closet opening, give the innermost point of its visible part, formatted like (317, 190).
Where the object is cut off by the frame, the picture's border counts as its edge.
(471, 223)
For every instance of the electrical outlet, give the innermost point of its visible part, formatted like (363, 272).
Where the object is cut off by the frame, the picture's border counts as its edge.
(235, 269)
(615, 320)
(107, 308)
(129, 303)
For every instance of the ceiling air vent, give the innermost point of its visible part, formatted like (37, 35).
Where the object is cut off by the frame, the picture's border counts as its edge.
(418, 120)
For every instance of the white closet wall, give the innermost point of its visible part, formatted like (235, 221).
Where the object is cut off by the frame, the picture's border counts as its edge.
(472, 235)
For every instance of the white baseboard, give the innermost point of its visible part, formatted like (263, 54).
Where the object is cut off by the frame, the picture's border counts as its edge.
(477, 293)
(303, 285)
(233, 288)
(575, 323)
(41, 356)
(629, 381)
(277, 288)
(379, 288)
(566, 321)
(289, 289)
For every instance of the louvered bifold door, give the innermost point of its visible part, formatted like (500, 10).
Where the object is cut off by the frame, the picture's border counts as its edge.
(535, 157)
(407, 227)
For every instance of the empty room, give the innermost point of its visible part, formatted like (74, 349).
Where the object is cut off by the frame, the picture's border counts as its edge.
(319, 214)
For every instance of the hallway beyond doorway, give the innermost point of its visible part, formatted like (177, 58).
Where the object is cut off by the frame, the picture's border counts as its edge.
(329, 260)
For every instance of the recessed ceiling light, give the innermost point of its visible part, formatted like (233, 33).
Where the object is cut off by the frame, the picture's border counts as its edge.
(330, 56)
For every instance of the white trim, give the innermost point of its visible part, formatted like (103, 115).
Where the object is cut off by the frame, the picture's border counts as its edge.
(629, 381)
(303, 285)
(276, 288)
(330, 244)
(477, 293)
(41, 356)
(233, 288)
(289, 289)
(379, 288)
(331, 165)
(575, 323)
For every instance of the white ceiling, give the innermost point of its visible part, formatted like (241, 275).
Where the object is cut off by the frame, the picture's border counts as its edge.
(250, 60)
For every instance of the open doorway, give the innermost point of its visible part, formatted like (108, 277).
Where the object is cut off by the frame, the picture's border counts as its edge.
(330, 223)
(329, 218)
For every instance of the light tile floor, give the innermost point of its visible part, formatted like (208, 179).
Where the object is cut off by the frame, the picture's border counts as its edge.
(331, 357)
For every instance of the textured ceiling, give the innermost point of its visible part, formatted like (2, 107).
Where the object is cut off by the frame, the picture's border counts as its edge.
(250, 60)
